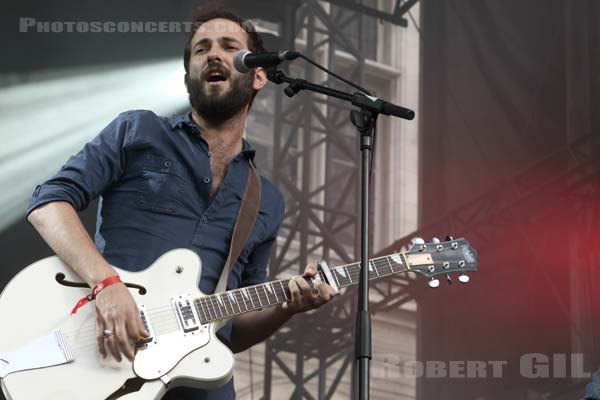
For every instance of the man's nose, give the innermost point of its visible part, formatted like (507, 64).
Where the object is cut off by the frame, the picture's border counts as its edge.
(214, 55)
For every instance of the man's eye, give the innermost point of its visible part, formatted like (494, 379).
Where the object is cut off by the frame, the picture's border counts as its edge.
(200, 50)
(231, 48)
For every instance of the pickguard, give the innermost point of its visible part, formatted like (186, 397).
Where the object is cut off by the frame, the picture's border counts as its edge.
(162, 355)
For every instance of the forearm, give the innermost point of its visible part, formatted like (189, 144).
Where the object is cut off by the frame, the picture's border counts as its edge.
(252, 328)
(60, 226)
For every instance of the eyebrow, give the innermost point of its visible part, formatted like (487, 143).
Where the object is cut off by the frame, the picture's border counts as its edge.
(224, 38)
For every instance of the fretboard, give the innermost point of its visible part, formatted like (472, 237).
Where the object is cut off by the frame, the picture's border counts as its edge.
(238, 301)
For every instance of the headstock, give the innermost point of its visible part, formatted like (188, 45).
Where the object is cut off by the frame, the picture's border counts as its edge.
(442, 258)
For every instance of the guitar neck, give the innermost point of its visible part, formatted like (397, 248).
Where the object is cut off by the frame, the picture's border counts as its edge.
(239, 301)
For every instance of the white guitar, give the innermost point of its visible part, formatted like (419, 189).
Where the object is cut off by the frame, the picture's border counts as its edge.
(46, 353)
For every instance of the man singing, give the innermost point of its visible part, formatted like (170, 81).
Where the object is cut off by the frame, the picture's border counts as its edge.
(168, 183)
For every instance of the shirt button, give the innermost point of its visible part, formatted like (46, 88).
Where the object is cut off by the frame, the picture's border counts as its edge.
(206, 180)
(204, 220)
(209, 154)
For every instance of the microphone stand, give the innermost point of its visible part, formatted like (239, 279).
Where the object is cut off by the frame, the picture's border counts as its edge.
(364, 120)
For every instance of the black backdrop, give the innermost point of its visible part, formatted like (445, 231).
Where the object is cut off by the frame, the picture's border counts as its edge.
(509, 145)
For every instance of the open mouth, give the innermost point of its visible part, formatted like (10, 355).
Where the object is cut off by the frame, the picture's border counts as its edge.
(215, 76)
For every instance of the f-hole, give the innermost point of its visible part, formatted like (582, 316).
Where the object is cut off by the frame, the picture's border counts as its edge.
(61, 279)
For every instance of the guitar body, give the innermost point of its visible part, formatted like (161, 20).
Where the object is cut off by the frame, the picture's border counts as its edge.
(34, 305)
(47, 353)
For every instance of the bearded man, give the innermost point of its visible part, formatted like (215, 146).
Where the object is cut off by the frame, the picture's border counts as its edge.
(174, 182)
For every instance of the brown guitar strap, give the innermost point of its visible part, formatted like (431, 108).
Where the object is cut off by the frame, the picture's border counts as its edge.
(243, 225)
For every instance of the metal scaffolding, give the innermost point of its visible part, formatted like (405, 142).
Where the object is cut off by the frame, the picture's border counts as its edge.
(317, 164)
(310, 132)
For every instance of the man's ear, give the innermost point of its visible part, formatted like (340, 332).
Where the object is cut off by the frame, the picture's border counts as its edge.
(260, 78)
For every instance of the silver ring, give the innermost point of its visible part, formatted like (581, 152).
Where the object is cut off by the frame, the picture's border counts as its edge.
(107, 333)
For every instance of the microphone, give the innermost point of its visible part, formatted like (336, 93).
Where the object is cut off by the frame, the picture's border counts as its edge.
(381, 106)
(245, 61)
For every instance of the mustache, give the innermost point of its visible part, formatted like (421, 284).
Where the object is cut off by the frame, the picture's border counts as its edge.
(215, 65)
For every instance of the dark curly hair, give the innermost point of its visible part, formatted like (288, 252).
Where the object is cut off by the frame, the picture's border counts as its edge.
(204, 14)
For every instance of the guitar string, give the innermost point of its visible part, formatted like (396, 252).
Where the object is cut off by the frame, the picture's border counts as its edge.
(158, 322)
(209, 302)
(168, 313)
(253, 296)
(160, 325)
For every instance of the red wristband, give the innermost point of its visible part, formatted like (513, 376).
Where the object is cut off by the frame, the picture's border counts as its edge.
(97, 289)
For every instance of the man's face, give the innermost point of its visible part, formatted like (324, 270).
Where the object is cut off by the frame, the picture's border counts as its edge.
(217, 91)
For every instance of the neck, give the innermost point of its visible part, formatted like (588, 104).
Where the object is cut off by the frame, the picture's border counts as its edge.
(238, 301)
(225, 136)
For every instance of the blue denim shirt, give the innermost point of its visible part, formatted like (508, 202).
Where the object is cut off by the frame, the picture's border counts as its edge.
(154, 178)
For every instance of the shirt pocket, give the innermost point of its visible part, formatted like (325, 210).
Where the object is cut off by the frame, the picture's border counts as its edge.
(161, 186)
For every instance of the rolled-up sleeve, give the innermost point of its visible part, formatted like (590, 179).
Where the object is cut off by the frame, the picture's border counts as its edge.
(88, 173)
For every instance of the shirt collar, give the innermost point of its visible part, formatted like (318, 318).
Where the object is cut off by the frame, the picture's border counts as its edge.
(185, 121)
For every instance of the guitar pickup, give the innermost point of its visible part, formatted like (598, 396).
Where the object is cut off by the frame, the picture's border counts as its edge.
(186, 313)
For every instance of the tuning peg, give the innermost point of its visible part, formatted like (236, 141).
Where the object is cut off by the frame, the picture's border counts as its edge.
(449, 238)
(462, 278)
(435, 240)
(448, 279)
(433, 283)
(418, 240)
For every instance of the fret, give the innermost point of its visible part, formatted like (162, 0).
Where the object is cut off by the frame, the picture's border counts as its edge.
(210, 303)
(348, 274)
(223, 300)
(398, 260)
(266, 298)
(199, 307)
(248, 296)
(233, 301)
(403, 257)
(274, 292)
(342, 277)
(257, 295)
(374, 268)
(283, 290)
(227, 300)
(266, 294)
(215, 302)
(390, 264)
(384, 269)
(239, 293)
(349, 277)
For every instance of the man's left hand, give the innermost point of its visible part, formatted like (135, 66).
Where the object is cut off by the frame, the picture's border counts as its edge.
(304, 297)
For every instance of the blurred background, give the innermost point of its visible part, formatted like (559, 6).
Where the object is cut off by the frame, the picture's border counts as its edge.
(504, 152)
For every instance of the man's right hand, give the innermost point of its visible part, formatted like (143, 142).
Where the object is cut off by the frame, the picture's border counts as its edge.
(117, 312)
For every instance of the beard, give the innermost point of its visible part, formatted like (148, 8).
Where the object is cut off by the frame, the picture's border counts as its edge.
(214, 106)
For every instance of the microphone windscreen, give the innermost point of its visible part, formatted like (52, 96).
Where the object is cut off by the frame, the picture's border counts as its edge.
(238, 61)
